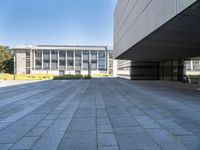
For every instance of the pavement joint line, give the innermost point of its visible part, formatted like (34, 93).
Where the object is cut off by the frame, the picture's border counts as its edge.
(103, 101)
(66, 131)
(40, 121)
(51, 124)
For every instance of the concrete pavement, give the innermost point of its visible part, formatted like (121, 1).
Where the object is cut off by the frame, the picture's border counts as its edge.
(103, 114)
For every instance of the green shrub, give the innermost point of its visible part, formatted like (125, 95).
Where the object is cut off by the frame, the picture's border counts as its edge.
(25, 77)
(87, 77)
(101, 75)
(194, 79)
(6, 76)
(71, 77)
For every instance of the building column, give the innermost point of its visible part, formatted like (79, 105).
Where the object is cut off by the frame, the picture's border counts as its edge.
(65, 59)
(191, 63)
(89, 64)
(33, 59)
(50, 59)
(74, 58)
(97, 60)
(58, 60)
(82, 60)
(42, 60)
(107, 60)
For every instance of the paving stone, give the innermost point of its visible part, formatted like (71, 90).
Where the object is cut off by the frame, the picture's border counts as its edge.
(37, 131)
(85, 113)
(15, 131)
(82, 125)
(66, 114)
(45, 123)
(25, 143)
(104, 128)
(49, 141)
(134, 137)
(108, 148)
(142, 115)
(5, 146)
(3, 124)
(191, 141)
(60, 124)
(147, 122)
(79, 140)
(173, 127)
(106, 139)
(103, 120)
(165, 140)
(123, 121)
(155, 115)
(18, 115)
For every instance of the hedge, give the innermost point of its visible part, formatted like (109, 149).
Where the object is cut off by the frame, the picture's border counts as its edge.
(71, 77)
(5, 76)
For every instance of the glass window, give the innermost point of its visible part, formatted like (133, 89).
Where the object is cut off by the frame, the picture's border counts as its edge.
(85, 64)
(27, 54)
(70, 60)
(111, 54)
(93, 60)
(196, 65)
(85, 55)
(62, 54)
(38, 59)
(77, 59)
(46, 59)
(93, 64)
(101, 54)
(28, 64)
(62, 58)
(101, 60)
(54, 60)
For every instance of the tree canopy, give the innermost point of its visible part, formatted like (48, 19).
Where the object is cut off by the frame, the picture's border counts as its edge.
(6, 60)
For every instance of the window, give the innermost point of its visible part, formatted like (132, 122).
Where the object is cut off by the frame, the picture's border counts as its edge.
(70, 60)
(101, 60)
(28, 62)
(54, 60)
(85, 64)
(101, 54)
(111, 54)
(196, 65)
(46, 59)
(85, 60)
(62, 58)
(38, 59)
(93, 60)
(93, 64)
(27, 54)
(77, 59)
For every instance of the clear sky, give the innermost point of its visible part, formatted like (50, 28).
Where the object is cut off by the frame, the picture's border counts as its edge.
(69, 22)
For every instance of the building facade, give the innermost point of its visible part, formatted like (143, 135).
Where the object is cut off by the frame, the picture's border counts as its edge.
(60, 60)
(156, 36)
(192, 66)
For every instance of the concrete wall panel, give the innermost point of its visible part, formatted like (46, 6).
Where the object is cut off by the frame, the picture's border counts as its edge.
(21, 61)
(135, 19)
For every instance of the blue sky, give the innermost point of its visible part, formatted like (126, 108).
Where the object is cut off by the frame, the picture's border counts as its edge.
(70, 22)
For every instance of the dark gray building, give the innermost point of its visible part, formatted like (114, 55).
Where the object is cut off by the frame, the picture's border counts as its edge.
(157, 36)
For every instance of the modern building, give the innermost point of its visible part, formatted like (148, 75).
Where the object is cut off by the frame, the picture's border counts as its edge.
(156, 36)
(60, 60)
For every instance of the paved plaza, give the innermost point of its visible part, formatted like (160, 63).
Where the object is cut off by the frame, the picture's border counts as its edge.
(103, 114)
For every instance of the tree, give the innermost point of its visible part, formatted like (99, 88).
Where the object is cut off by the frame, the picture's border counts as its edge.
(6, 60)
